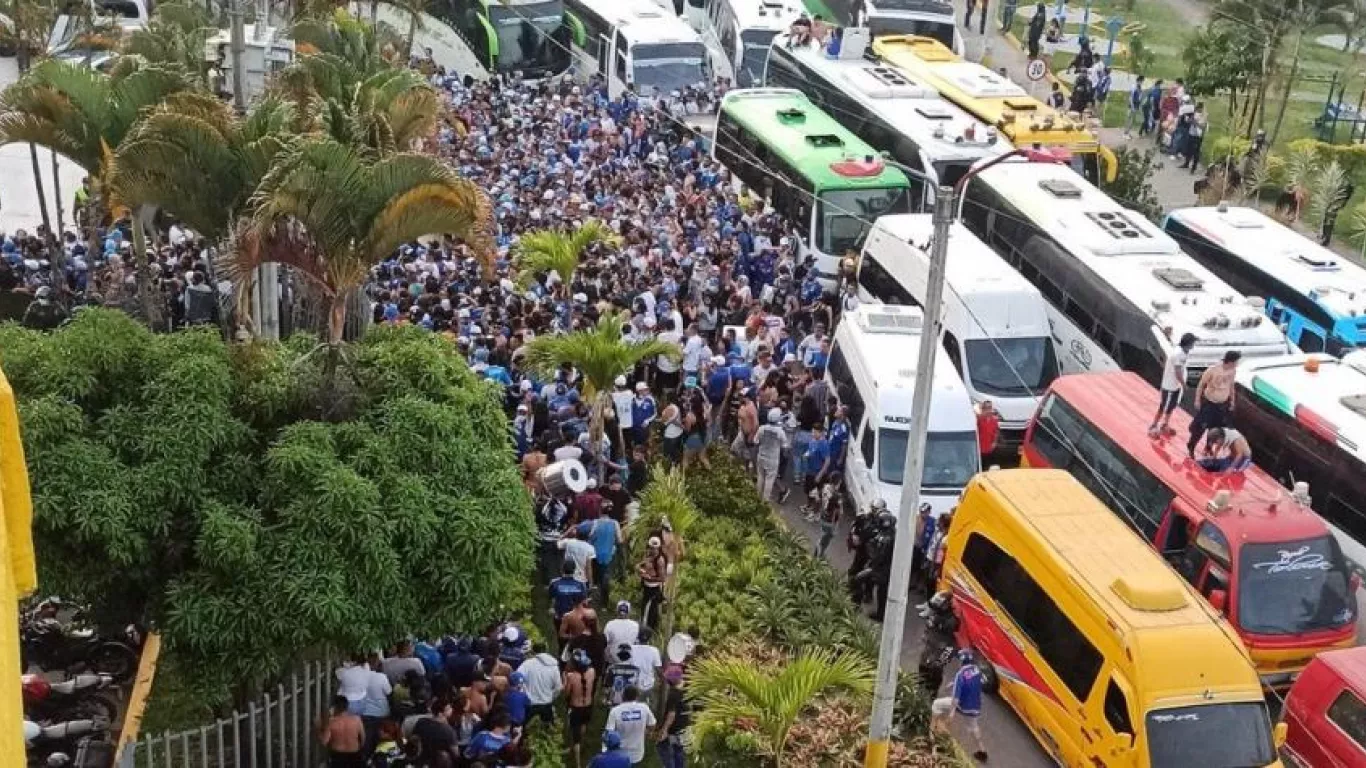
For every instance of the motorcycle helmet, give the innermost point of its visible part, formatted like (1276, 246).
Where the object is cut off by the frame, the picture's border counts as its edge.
(878, 506)
(887, 520)
(965, 656)
(941, 601)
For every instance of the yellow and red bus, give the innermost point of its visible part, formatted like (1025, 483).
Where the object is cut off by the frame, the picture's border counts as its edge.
(1257, 553)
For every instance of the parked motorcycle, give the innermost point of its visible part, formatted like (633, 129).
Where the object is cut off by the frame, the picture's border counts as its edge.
(81, 697)
(58, 744)
(55, 645)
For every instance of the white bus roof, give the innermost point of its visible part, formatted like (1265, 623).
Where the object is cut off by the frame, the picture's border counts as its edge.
(774, 15)
(644, 21)
(1336, 392)
(938, 126)
(1130, 253)
(1306, 267)
(972, 268)
(886, 339)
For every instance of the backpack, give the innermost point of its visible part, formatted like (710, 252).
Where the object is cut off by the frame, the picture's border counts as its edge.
(619, 676)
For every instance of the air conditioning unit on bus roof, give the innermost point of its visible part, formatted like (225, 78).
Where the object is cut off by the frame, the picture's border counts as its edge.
(880, 82)
(907, 321)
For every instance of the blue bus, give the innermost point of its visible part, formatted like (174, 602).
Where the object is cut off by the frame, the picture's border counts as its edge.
(1316, 296)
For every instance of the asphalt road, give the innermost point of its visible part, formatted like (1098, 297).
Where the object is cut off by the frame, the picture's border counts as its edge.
(1008, 741)
(19, 207)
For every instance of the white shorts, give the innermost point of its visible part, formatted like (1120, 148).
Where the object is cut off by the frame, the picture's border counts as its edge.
(942, 707)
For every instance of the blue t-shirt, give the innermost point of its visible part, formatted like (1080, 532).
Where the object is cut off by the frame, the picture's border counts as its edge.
(817, 452)
(565, 593)
(517, 703)
(486, 744)
(839, 440)
(602, 534)
(617, 758)
(717, 383)
(967, 690)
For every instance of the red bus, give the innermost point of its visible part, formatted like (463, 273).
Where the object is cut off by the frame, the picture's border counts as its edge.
(1258, 555)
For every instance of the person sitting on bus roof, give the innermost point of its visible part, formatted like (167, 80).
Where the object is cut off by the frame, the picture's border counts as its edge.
(1226, 450)
(800, 31)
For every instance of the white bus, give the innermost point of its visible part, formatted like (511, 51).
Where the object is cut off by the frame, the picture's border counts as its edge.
(1121, 292)
(930, 138)
(741, 30)
(995, 322)
(1305, 419)
(872, 370)
(927, 18)
(1316, 296)
(637, 44)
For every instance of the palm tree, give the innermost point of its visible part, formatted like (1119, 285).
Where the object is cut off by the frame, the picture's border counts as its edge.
(600, 355)
(331, 212)
(175, 36)
(85, 115)
(549, 250)
(732, 692)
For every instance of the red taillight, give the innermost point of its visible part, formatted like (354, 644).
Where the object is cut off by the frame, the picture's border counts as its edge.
(1316, 424)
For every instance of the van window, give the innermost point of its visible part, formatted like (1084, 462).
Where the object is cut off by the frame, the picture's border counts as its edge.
(1349, 713)
(1063, 647)
(1117, 710)
(955, 354)
(866, 445)
(845, 388)
(879, 283)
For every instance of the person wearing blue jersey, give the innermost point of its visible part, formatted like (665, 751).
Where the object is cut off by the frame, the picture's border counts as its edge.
(965, 701)
(612, 755)
(643, 412)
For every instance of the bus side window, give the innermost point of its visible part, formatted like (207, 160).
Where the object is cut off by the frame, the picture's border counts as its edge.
(955, 354)
(1311, 341)
(1117, 710)
(1140, 361)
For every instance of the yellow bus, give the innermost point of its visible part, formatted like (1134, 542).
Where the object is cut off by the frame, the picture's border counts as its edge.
(1022, 119)
(1103, 651)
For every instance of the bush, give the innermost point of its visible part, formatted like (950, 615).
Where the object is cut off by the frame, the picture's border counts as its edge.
(182, 483)
(1132, 187)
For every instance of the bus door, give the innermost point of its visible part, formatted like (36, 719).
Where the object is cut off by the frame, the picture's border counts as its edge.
(859, 459)
(1206, 566)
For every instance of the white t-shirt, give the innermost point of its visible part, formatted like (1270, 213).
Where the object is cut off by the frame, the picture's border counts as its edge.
(693, 350)
(622, 399)
(666, 364)
(631, 720)
(567, 452)
(352, 680)
(620, 632)
(1174, 375)
(646, 659)
(579, 552)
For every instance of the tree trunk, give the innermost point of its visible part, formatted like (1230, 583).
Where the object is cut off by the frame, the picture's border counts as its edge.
(336, 318)
(151, 307)
(58, 255)
(38, 185)
(1268, 54)
(1289, 88)
(412, 33)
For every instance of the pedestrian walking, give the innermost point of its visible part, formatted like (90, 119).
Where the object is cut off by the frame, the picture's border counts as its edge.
(653, 570)
(965, 702)
(1036, 25)
(1152, 104)
(1214, 398)
(830, 508)
(1008, 8)
(1135, 113)
(631, 720)
(967, 15)
(982, 17)
(1196, 125)
(770, 441)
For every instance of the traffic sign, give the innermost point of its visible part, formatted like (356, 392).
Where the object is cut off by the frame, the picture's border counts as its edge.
(1036, 69)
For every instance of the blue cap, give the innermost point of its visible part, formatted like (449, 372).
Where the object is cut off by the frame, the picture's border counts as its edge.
(611, 740)
(516, 679)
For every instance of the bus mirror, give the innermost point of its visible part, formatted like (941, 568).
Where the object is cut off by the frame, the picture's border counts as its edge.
(1279, 734)
(1218, 598)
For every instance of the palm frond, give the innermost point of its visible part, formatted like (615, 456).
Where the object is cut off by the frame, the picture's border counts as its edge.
(601, 353)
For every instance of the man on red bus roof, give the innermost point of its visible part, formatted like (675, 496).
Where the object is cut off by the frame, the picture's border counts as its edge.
(1173, 382)
(1213, 398)
(1226, 450)
(988, 429)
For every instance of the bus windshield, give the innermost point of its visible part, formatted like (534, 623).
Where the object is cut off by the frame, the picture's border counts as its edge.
(1210, 736)
(1290, 588)
(749, 71)
(526, 37)
(1010, 367)
(951, 458)
(668, 66)
(878, 26)
(846, 215)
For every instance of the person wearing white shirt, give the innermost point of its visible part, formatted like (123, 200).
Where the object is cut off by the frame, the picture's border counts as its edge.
(621, 402)
(645, 658)
(667, 367)
(578, 552)
(694, 349)
(623, 630)
(542, 682)
(353, 677)
(631, 720)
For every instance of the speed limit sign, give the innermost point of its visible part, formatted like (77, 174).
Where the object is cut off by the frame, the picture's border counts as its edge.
(1036, 69)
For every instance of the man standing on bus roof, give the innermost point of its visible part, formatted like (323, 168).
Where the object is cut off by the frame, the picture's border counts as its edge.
(1173, 382)
(1213, 398)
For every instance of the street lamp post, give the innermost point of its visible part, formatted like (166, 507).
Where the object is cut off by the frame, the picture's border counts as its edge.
(894, 614)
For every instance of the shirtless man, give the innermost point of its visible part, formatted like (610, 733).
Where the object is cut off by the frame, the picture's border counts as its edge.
(532, 464)
(579, 680)
(343, 734)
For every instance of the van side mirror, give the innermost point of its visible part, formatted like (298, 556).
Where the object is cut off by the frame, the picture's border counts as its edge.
(1279, 734)
(1219, 599)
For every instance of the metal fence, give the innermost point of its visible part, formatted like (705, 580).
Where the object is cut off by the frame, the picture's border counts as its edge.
(279, 731)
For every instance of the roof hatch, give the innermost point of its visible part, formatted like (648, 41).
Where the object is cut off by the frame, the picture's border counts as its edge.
(1179, 279)
(1061, 188)
(792, 115)
(1144, 597)
(1316, 263)
(824, 140)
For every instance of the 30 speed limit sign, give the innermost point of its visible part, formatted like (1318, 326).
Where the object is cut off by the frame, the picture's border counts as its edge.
(1036, 69)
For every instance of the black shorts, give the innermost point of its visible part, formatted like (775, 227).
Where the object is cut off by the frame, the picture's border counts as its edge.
(579, 717)
(1170, 399)
(665, 380)
(544, 711)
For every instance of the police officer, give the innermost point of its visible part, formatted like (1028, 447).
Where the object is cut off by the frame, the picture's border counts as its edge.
(941, 626)
(860, 537)
(878, 573)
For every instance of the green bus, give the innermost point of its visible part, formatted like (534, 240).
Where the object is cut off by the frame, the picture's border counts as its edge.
(527, 36)
(812, 169)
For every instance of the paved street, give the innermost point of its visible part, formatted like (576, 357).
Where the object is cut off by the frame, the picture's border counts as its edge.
(18, 196)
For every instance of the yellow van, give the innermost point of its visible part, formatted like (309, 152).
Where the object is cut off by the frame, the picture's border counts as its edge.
(1100, 647)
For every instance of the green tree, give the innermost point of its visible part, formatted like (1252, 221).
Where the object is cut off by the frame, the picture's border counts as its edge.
(179, 480)
(1133, 186)
(1222, 58)
(600, 355)
(83, 114)
(1303, 16)
(734, 694)
(332, 212)
(547, 250)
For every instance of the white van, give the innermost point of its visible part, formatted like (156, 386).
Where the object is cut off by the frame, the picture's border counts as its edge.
(995, 322)
(872, 370)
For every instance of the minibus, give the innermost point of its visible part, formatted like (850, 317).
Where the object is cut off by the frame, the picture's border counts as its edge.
(995, 322)
(872, 371)
(1325, 712)
(1106, 654)
(1255, 550)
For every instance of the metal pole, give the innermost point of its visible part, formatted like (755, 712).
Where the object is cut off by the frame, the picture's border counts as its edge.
(894, 615)
(239, 47)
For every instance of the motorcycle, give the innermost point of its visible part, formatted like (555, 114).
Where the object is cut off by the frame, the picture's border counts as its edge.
(82, 697)
(57, 646)
(58, 744)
